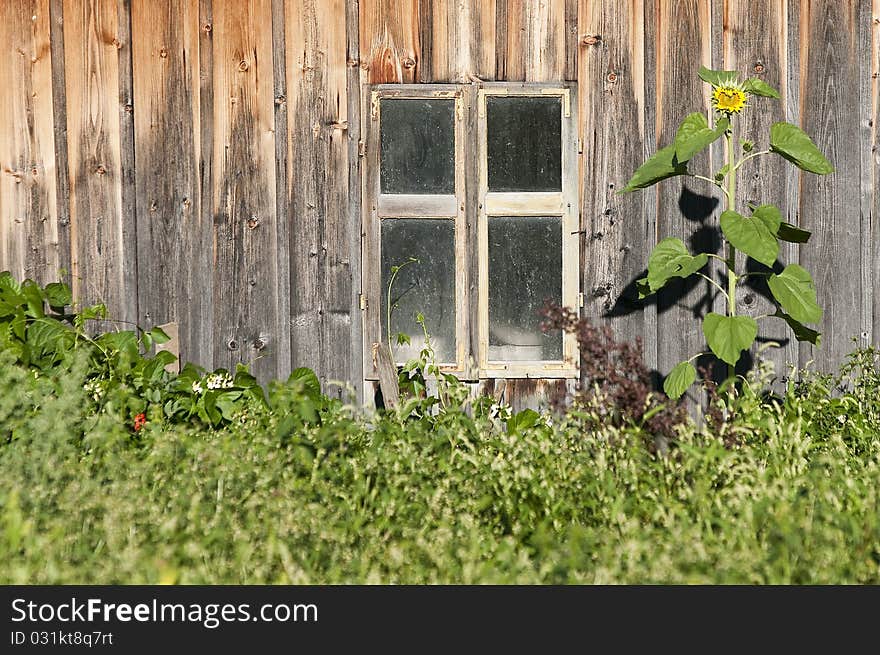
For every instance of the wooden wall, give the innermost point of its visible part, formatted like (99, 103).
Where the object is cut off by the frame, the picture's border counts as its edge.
(197, 160)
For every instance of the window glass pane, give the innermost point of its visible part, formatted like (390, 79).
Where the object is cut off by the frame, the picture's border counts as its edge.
(524, 143)
(417, 145)
(525, 269)
(426, 286)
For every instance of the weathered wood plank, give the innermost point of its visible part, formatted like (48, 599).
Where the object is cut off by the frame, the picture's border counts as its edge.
(318, 190)
(282, 171)
(102, 259)
(873, 164)
(510, 43)
(869, 28)
(246, 316)
(389, 40)
(763, 180)
(353, 81)
(544, 45)
(174, 240)
(204, 155)
(685, 209)
(29, 241)
(457, 40)
(125, 113)
(59, 110)
(829, 45)
(618, 231)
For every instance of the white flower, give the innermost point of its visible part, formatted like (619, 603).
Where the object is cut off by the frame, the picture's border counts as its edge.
(197, 387)
(841, 418)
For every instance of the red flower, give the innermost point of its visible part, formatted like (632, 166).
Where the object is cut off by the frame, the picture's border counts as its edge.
(139, 421)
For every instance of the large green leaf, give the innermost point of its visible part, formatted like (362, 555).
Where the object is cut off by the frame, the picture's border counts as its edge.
(694, 134)
(728, 336)
(671, 259)
(58, 295)
(310, 384)
(769, 215)
(679, 379)
(792, 143)
(795, 291)
(759, 88)
(801, 331)
(792, 233)
(750, 235)
(662, 165)
(717, 78)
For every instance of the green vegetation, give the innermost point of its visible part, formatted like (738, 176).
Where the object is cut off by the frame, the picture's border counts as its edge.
(285, 485)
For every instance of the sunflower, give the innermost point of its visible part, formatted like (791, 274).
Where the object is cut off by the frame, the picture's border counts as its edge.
(729, 99)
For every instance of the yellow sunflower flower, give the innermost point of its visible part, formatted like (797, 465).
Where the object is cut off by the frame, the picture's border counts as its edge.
(728, 99)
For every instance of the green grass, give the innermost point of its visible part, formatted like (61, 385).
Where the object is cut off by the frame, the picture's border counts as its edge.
(363, 498)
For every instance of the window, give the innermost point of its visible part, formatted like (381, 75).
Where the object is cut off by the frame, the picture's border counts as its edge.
(470, 218)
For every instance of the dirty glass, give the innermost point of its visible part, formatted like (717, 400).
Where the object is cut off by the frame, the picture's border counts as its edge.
(426, 286)
(524, 143)
(417, 145)
(525, 269)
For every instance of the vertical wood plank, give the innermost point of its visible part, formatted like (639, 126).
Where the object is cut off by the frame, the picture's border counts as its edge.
(829, 46)
(318, 190)
(685, 209)
(246, 312)
(205, 158)
(102, 260)
(59, 110)
(873, 163)
(174, 240)
(618, 230)
(869, 28)
(29, 230)
(763, 180)
(389, 40)
(457, 40)
(282, 171)
(353, 81)
(127, 164)
(545, 40)
(510, 48)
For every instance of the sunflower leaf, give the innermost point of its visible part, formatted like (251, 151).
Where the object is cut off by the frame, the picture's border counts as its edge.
(755, 236)
(694, 134)
(662, 165)
(760, 88)
(791, 142)
(717, 78)
(670, 259)
(728, 336)
(795, 291)
(792, 233)
(679, 379)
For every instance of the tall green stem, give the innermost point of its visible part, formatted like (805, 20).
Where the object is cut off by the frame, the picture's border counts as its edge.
(731, 251)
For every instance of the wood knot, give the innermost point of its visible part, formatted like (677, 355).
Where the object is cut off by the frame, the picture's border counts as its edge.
(128, 108)
(280, 100)
(259, 343)
(100, 170)
(409, 63)
(590, 39)
(243, 65)
(232, 345)
(253, 222)
(163, 53)
(759, 68)
(208, 27)
(352, 62)
(612, 77)
(117, 43)
(749, 298)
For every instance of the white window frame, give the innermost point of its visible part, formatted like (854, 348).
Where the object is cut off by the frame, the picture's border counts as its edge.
(563, 203)
(470, 208)
(379, 206)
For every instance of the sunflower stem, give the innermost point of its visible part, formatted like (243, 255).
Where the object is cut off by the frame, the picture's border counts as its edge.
(731, 250)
